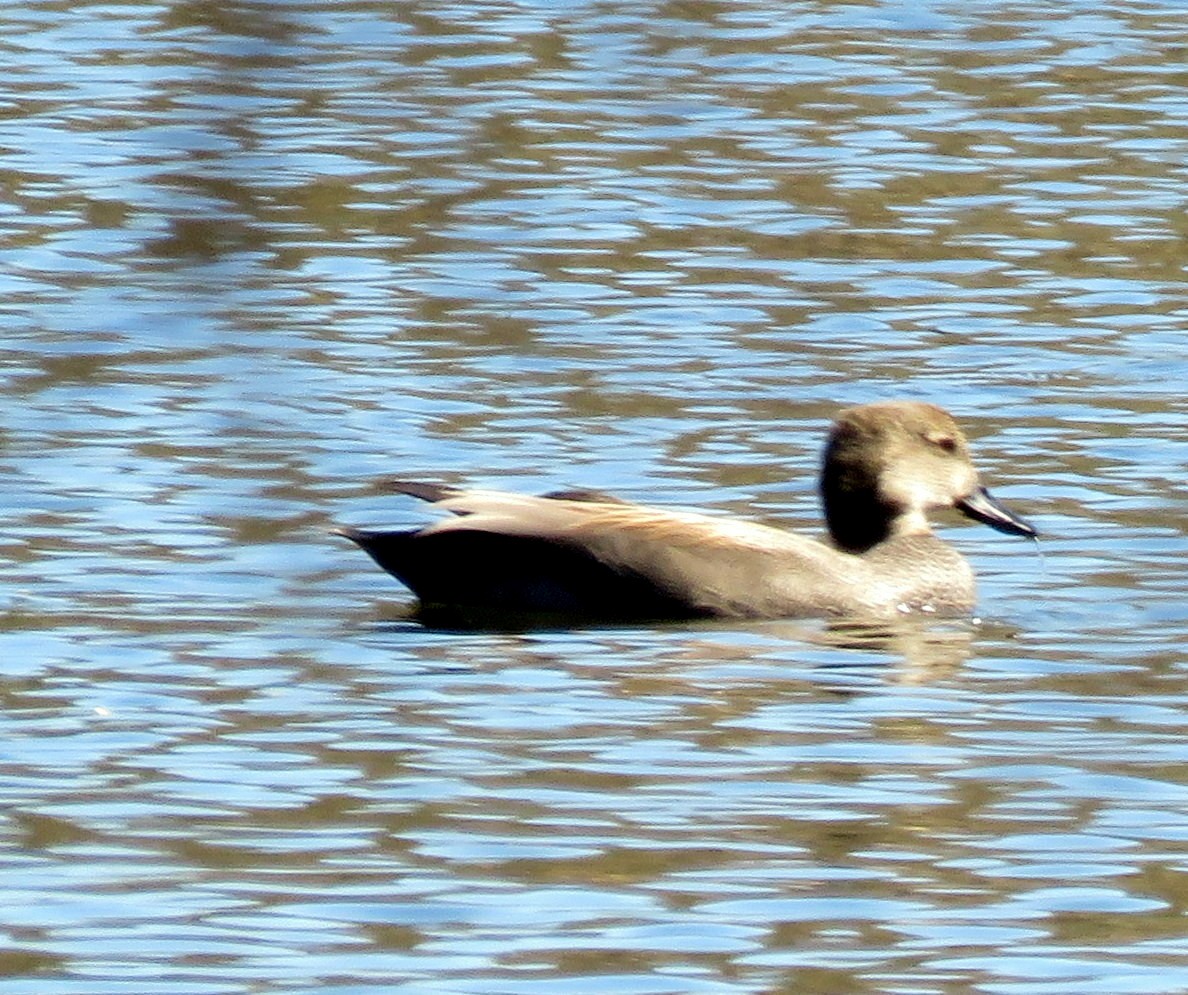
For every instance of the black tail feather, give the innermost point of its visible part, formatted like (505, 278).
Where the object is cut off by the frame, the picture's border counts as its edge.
(418, 489)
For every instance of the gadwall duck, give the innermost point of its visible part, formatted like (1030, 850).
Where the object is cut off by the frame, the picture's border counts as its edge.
(589, 555)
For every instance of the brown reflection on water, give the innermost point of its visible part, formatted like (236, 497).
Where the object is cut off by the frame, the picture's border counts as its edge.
(255, 257)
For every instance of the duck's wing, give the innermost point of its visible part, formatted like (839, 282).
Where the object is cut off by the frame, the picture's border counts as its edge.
(579, 554)
(718, 566)
(434, 493)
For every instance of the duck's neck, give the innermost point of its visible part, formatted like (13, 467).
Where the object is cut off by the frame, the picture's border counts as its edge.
(856, 517)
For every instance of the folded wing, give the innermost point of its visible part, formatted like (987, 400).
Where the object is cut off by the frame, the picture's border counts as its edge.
(584, 553)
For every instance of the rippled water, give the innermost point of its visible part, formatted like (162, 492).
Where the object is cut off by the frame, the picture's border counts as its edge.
(257, 255)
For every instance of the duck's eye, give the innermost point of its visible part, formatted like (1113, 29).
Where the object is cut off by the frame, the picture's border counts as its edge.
(945, 442)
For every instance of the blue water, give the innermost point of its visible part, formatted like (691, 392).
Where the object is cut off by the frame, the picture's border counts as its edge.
(255, 258)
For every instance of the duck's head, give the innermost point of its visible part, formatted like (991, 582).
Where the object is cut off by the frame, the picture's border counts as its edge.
(887, 465)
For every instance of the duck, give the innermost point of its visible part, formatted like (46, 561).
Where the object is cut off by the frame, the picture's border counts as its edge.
(589, 555)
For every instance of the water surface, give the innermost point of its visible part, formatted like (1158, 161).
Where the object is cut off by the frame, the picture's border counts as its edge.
(256, 256)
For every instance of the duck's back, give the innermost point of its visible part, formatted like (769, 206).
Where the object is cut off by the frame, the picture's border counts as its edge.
(612, 560)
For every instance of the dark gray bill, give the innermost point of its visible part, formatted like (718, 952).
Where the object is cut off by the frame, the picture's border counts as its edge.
(981, 507)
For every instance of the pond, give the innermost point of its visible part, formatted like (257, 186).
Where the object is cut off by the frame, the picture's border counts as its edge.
(258, 256)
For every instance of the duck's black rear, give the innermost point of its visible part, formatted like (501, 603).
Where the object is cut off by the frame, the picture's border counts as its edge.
(511, 573)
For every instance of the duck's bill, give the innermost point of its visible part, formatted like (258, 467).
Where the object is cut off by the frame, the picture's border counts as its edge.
(981, 507)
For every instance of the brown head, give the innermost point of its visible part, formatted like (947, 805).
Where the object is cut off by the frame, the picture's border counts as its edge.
(887, 465)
